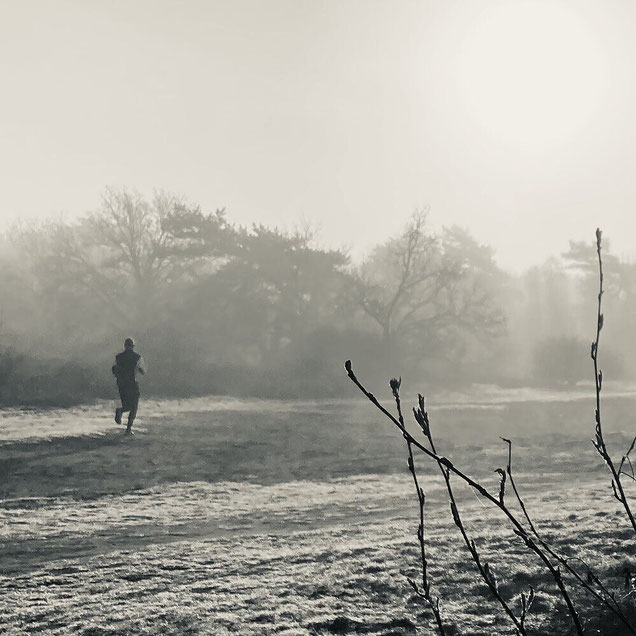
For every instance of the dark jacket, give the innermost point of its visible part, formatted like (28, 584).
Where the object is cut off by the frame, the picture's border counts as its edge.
(125, 367)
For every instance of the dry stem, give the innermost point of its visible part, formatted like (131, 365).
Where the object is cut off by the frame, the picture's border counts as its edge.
(607, 598)
(425, 590)
(599, 441)
(421, 416)
(518, 528)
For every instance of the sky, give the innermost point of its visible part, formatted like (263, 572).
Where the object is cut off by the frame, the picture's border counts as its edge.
(512, 118)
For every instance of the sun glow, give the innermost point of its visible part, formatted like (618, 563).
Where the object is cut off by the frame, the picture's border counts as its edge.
(531, 73)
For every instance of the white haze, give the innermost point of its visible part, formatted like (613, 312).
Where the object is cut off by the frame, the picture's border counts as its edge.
(512, 118)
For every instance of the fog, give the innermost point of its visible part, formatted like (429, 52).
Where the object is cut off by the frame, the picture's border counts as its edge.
(219, 308)
(258, 191)
(513, 119)
(276, 207)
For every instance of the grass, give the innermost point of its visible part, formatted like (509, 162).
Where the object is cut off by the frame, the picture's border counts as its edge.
(292, 518)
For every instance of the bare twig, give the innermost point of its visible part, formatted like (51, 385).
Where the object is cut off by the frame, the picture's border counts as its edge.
(423, 591)
(421, 416)
(526, 604)
(518, 528)
(607, 598)
(599, 441)
(629, 461)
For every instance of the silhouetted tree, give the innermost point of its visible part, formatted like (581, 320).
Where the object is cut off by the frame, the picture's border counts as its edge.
(424, 292)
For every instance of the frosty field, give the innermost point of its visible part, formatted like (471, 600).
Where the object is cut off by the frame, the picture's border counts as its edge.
(226, 516)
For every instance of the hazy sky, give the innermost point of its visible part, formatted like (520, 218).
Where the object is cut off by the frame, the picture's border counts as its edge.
(516, 119)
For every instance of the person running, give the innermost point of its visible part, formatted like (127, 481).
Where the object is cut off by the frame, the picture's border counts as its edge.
(127, 365)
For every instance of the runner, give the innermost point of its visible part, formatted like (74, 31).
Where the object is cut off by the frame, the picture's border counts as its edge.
(127, 365)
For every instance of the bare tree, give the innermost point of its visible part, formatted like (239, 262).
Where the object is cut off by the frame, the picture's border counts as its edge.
(135, 246)
(421, 289)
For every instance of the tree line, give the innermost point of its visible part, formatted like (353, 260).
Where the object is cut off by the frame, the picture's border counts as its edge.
(218, 308)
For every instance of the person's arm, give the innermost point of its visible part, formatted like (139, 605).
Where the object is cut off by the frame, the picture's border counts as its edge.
(141, 366)
(115, 369)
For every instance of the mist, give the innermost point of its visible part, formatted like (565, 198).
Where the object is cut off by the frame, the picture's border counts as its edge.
(222, 309)
(309, 311)
(347, 115)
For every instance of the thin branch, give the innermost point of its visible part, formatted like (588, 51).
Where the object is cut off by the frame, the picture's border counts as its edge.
(421, 416)
(599, 441)
(517, 526)
(627, 459)
(607, 598)
(425, 590)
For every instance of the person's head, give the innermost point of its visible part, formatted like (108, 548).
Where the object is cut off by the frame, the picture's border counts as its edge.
(129, 343)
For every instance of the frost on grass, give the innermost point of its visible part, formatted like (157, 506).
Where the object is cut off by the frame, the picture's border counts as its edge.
(140, 539)
(343, 570)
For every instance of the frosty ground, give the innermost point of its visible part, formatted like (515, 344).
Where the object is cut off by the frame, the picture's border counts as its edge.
(267, 517)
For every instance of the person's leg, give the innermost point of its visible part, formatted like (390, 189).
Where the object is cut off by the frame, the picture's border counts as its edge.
(124, 399)
(127, 395)
(134, 403)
